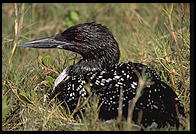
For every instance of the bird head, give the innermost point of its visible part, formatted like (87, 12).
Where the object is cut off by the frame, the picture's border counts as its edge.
(94, 42)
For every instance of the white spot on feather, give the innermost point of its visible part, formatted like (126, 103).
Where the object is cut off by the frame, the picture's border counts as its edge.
(117, 77)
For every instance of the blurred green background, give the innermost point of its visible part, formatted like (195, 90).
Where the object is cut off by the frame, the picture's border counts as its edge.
(157, 35)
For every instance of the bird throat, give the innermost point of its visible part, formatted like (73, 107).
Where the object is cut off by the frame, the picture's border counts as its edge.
(99, 61)
(84, 66)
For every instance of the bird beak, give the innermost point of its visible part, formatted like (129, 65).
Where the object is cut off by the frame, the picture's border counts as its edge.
(49, 42)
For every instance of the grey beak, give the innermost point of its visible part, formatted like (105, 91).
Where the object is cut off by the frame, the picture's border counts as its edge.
(49, 42)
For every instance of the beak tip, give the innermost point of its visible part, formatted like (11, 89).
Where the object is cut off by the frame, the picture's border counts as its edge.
(24, 45)
(20, 45)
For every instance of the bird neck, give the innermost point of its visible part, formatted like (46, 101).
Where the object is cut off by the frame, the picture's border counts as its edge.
(83, 66)
(95, 62)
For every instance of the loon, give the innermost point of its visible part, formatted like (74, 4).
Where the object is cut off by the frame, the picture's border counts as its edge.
(107, 78)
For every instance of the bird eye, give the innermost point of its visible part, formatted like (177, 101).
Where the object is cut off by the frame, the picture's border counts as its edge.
(79, 37)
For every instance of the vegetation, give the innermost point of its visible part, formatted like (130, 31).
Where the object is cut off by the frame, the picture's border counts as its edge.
(157, 35)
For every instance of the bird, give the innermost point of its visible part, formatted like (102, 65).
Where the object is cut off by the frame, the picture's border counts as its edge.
(99, 67)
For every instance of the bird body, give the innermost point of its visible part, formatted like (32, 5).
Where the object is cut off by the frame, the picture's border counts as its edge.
(107, 78)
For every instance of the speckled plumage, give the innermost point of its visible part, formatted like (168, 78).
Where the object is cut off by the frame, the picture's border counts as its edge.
(157, 101)
(100, 69)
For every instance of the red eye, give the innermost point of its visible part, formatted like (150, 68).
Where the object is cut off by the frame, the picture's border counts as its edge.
(78, 37)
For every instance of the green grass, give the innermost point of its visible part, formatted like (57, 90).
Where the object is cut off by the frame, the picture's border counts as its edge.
(157, 35)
